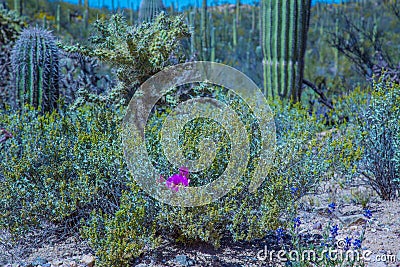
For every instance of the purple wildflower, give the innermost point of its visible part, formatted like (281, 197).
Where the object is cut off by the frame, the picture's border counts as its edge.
(347, 240)
(334, 230)
(367, 213)
(297, 222)
(357, 243)
(293, 190)
(331, 207)
(279, 233)
(176, 180)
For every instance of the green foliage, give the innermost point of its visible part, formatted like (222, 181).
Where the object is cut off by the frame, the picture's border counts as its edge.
(380, 138)
(35, 61)
(135, 52)
(10, 25)
(121, 237)
(303, 160)
(57, 168)
(62, 168)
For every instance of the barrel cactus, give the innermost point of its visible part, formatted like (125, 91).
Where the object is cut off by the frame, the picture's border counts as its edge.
(35, 62)
(149, 9)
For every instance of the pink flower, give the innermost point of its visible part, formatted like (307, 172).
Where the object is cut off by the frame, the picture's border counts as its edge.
(176, 180)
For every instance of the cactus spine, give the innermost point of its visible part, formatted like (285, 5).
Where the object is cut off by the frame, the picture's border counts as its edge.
(35, 61)
(149, 9)
(283, 41)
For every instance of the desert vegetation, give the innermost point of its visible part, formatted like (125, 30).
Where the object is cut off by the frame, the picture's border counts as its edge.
(328, 71)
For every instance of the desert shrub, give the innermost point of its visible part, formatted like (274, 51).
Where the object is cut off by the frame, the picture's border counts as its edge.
(303, 159)
(118, 238)
(67, 169)
(380, 139)
(57, 168)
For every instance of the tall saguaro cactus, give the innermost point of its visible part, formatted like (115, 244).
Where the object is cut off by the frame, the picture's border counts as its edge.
(149, 9)
(35, 60)
(203, 31)
(86, 14)
(18, 6)
(283, 40)
(58, 16)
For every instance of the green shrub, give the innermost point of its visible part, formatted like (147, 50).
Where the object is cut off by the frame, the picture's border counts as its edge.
(380, 139)
(301, 162)
(68, 169)
(121, 237)
(57, 168)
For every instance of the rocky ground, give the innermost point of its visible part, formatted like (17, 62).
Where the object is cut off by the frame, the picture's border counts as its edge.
(382, 237)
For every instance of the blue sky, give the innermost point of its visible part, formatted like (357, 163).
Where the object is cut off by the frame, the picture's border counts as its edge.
(181, 3)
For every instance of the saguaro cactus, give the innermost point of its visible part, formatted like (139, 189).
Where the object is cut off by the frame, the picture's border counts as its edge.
(149, 9)
(35, 61)
(192, 16)
(18, 6)
(86, 14)
(203, 30)
(283, 40)
(58, 15)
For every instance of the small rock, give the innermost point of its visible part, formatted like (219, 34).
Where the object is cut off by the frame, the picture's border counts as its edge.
(303, 231)
(39, 261)
(353, 220)
(182, 260)
(317, 226)
(88, 260)
(398, 256)
(379, 264)
(214, 258)
(56, 262)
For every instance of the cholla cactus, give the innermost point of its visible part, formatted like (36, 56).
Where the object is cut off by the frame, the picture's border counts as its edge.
(35, 62)
(149, 9)
(136, 53)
